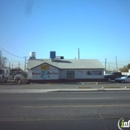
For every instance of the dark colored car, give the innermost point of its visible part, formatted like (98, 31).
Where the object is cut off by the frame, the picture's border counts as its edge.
(112, 76)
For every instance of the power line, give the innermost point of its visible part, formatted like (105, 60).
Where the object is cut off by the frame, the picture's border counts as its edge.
(11, 53)
(123, 61)
(7, 40)
(120, 62)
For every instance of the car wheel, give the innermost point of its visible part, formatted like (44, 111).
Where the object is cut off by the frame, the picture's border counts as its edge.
(19, 81)
(116, 81)
(109, 79)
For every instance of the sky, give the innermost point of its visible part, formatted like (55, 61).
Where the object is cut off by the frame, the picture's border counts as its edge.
(100, 28)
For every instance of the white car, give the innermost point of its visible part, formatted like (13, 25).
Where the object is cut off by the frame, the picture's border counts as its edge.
(125, 78)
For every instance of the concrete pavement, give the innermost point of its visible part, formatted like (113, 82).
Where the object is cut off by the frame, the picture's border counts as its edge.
(56, 90)
(42, 88)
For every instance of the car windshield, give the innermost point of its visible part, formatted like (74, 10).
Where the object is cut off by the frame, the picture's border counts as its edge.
(125, 76)
(111, 73)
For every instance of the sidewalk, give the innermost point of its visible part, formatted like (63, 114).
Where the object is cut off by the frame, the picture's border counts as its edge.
(58, 90)
(41, 88)
(52, 86)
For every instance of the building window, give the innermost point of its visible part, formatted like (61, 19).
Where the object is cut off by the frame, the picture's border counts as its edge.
(94, 72)
(70, 74)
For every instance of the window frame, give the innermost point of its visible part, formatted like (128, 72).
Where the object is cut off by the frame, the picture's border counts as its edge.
(70, 74)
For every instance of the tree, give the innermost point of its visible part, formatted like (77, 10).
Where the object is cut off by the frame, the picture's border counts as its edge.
(128, 66)
(124, 69)
(3, 60)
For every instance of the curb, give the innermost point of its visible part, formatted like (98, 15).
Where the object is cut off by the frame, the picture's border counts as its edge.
(59, 90)
(88, 90)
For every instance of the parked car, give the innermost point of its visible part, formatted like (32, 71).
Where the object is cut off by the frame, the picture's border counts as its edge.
(20, 79)
(112, 76)
(123, 79)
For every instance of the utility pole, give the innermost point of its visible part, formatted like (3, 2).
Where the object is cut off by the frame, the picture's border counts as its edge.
(109, 68)
(105, 64)
(0, 58)
(116, 64)
(9, 65)
(19, 65)
(25, 64)
(78, 53)
(12, 65)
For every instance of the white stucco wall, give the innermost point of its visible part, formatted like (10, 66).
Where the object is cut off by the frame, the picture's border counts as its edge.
(46, 74)
(82, 74)
(29, 74)
(54, 73)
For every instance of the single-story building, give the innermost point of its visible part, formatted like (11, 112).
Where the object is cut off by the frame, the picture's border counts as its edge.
(64, 70)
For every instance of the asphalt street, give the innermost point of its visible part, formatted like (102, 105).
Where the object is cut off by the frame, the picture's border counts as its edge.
(63, 86)
(99, 110)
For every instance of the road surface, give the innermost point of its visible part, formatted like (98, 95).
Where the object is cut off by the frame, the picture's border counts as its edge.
(64, 110)
(63, 86)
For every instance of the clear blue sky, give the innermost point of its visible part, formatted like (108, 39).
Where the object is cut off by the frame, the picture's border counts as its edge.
(100, 28)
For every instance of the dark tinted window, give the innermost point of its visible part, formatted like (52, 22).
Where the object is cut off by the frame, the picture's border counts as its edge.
(0, 71)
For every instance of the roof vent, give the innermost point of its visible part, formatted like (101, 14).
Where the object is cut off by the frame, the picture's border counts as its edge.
(32, 55)
(59, 57)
